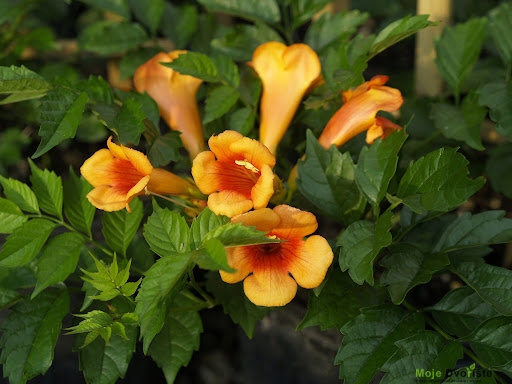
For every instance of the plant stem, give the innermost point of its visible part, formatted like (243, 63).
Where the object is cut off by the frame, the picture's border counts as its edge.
(209, 301)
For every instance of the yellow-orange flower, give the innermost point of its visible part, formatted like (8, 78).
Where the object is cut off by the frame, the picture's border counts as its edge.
(118, 174)
(358, 113)
(271, 272)
(287, 74)
(236, 174)
(175, 95)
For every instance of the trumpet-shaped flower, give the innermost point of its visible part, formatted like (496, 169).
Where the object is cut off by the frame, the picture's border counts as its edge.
(287, 74)
(271, 272)
(358, 113)
(118, 174)
(236, 174)
(175, 95)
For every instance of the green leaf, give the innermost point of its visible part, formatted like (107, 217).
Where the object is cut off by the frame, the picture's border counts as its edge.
(255, 10)
(233, 235)
(21, 84)
(165, 149)
(195, 64)
(173, 347)
(458, 49)
(360, 244)
(242, 120)
(377, 165)
(369, 340)
(58, 260)
(8, 297)
(166, 232)
(491, 343)
(150, 13)
(339, 301)
(30, 333)
(129, 122)
(235, 303)
(61, 112)
(212, 256)
(397, 31)
(219, 101)
(205, 222)
(304, 10)
(48, 189)
(97, 88)
(119, 7)
(110, 37)
(468, 230)
(461, 311)
(327, 180)
(437, 182)
(78, 210)
(20, 194)
(497, 95)
(25, 242)
(181, 23)
(11, 216)
(330, 29)
(500, 22)
(425, 351)
(493, 284)
(155, 289)
(106, 363)
(407, 266)
(497, 166)
(464, 123)
(119, 227)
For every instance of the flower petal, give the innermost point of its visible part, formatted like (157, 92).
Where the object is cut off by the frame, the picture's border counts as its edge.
(229, 203)
(205, 172)
(263, 190)
(270, 289)
(264, 219)
(294, 224)
(97, 168)
(220, 145)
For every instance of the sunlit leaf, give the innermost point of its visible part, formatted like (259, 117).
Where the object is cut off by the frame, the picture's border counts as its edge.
(48, 189)
(11, 216)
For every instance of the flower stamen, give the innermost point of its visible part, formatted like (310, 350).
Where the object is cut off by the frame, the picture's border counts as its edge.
(245, 163)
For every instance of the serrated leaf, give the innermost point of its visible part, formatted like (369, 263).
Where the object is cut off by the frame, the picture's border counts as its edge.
(437, 182)
(150, 13)
(58, 260)
(122, 277)
(77, 208)
(497, 95)
(173, 347)
(500, 22)
(493, 284)
(195, 64)
(110, 37)
(427, 351)
(20, 194)
(462, 123)
(106, 363)
(377, 165)
(97, 88)
(11, 216)
(166, 232)
(129, 289)
(339, 301)
(234, 235)
(327, 180)
(119, 7)
(264, 10)
(458, 49)
(235, 303)
(212, 256)
(25, 242)
(360, 244)
(461, 311)
(219, 102)
(93, 320)
(407, 266)
(397, 31)
(30, 333)
(129, 122)
(48, 189)
(21, 84)
(205, 222)
(369, 340)
(119, 227)
(181, 22)
(165, 149)
(61, 113)
(155, 289)
(242, 120)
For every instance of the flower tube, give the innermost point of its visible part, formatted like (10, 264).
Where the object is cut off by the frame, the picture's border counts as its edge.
(287, 74)
(271, 272)
(118, 174)
(236, 174)
(175, 95)
(358, 113)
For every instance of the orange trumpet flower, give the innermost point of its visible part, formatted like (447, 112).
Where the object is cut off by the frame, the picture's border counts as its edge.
(118, 174)
(271, 272)
(236, 174)
(358, 113)
(287, 74)
(175, 95)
